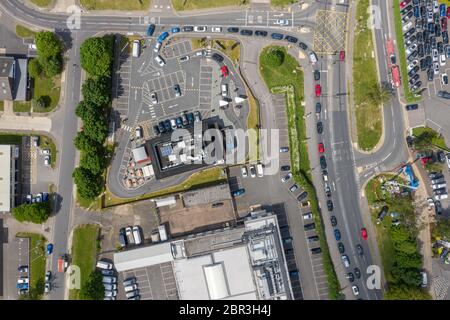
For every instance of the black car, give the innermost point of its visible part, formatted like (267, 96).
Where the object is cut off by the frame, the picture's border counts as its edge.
(291, 39)
(318, 107)
(319, 127)
(302, 196)
(316, 250)
(341, 247)
(430, 74)
(350, 277)
(437, 30)
(246, 32)
(410, 107)
(107, 272)
(435, 175)
(416, 86)
(412, 56)
(438, 207)
(217, 57)
(188, 28)
(277, 36)
(411, 40)
(303, 46)
(330, 205)
(357, 273)
(359, 249)
(441, 156)
(323, 162)
(122, 237)
(440, 47)
(427, 48)
(161, 127)
(419, 37)
(190, 117)
(337, 234)
(261, 33)
(413, 80)
(443, 94)
(426, 35)
(309, 226)
(433, 42)
(445, 37)
(167, 125)
(413, 71)
(409, 141)
(423, 11)
(416, 11)
(423, 64)
(420, 50)
(313, 238)
(333, 221)
(156, 130)
(429, 62)
(430, 27)
(285, 168)
(316, 75)
(407, 17)
(233, 30)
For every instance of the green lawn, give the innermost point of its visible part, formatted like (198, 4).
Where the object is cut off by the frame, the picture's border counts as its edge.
(42, 3)
(197, 180)
(22, 106)
(438, 141)
(85, 245)
(287, 79)
(115, 4)
(253, 123)
(37, 259)
(181, 5)
(2, 106)
(400, 46)
(23, 32)
(47, 87)
(368, 115)
(281, 3)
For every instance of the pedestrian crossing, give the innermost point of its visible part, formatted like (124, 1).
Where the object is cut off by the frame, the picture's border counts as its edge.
(126, 128)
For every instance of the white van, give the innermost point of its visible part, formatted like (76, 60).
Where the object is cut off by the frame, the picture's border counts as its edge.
(424, 279)
(224, 90)
(259, 169)
(104, 265)
(137, 235)
(136, 48)
(312, 57)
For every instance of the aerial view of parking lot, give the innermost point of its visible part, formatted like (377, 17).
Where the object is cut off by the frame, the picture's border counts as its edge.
(224, 150)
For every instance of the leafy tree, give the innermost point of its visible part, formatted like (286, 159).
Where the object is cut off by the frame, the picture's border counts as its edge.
(86, 110)
(52, 66)
(97, 90)
(424, 141)
(378, 94)
(83, 143)
(48, 45)
(89, 185)
(36, 212)
(95, 162)
(405, 293)
(95, 127)
(34, 68)
(93, 288)
(96, 56)
(275, 57)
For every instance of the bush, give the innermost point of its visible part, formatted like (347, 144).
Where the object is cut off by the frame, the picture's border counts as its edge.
(43, 102)
(96, 56)
(275, 58)
(36, 212)
(34, 68)
(93, 288)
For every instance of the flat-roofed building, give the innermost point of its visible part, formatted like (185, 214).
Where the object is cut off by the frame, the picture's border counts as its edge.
(8, 174)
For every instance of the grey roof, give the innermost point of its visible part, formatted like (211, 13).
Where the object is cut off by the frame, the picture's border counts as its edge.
(207, 195)
(6, 66)
(20, 80)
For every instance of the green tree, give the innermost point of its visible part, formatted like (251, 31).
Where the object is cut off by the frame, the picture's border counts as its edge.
(93, 288)
(275, 58)
(48, 45)
(442, 229)
(52, 66)
(34, 68)
(43, 102)
(97, 90)
(95, 162)
(86, 110)
(83, 143)
(405, 293)
(96, 56)
(378, 94)
(89, 186)
(424, 141)
(36, 212)
(95, 127)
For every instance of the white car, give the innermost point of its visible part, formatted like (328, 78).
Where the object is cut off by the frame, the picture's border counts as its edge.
(47, 160)
(407, 26)
(282, 22)
(216, 29)
(286, 177)
(244, 172)
(307, 216)
(138, 132)
(444, 79)
(435, 6)
(411, 49)
(45, 151)
(411, 65)
(184, 59)
(430, 18)
(435, 55)
(160, 61)
(442, 59)
(199, 29)
(157, 46)
(430, 202)
(436, 68)
(252, 171)
(129, 233)
(355, 290)
(440, 196)
(448, 159)
(153, 98)
(47, 287)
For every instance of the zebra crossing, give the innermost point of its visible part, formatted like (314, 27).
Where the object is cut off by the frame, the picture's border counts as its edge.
(126, 128)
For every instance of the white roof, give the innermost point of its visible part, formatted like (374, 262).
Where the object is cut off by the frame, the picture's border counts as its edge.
(148, 171)
(143, 257)
(5, 175)
(140, 154)
(216, 282)
(168, 201)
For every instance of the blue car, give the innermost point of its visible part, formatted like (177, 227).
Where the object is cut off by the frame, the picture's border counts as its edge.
(190, 117)
(416, 11)
(22, 286)
(45, 197)
(277, 36)
(175, 30)
(163, 36)
(238, 192)
(150, 30)
(337, 234)
(167, 125)
(49, 248)
(442, 10)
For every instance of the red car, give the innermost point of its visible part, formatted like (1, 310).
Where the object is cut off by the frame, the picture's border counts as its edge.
(318, 90)
(404, 3)
(444, 23)
(224, 71)
(321, 148)
(342, 55)
(364, 233)
(448, 12)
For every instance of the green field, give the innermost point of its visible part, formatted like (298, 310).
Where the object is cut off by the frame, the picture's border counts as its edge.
(181, 5)
(19, 106)
(47, 87)
(287, 78)
(42, 3)
(23, 32)
(115, 4)
(368, 115)
(409, 96)
(85, 245)
(37, 260)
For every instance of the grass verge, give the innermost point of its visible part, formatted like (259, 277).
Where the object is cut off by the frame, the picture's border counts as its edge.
(180, 5)
(409, 96)
(115, 4)
(281, 3)
(42, 3)
(231, 48)
(19, 106)
(2, 106)
(49, 88)
(288, 78)
(368, 115)
(24, 32)
(37, 260)
(197, 180)
(253, 124)
(85, 245)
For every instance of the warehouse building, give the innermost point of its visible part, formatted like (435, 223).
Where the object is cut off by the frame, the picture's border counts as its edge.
(9, 155)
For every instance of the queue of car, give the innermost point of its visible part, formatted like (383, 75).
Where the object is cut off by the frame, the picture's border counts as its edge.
(40, 197)
(186, 119)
